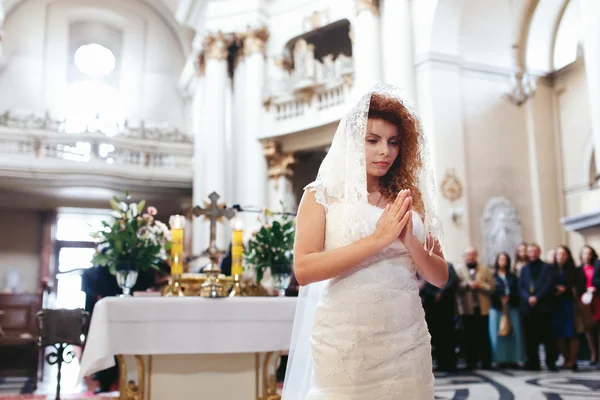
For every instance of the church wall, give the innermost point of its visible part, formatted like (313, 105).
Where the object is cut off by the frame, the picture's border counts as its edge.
(575, 135)
(496, 150)
(36, 42)
(20, 247)
(476, 23)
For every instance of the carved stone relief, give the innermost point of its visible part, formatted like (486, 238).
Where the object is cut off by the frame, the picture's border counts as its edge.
(501, 229)
(280, 163)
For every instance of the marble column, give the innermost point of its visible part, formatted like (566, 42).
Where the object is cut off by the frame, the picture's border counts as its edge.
(199, 231)
(397, 46)
(366, 48)
(251, 174)
(590, 14)
(213, 138)
(280, 173)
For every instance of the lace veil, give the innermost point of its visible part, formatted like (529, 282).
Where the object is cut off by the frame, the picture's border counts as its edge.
(342, 179)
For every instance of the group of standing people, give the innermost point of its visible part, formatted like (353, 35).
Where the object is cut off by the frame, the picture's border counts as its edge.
(507, 311)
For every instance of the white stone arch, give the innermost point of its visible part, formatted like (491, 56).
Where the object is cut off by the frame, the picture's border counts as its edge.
(157, 6)
(542, 34)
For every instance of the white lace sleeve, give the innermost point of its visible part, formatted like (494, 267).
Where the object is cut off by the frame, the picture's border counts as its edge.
(319, 192)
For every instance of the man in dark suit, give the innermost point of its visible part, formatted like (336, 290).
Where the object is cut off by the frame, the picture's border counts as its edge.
(226, 262)
(536, 290)
(439, 306)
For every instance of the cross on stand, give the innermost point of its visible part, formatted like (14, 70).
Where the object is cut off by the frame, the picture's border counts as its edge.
(213, 212)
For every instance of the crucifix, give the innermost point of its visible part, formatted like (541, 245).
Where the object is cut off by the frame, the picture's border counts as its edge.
(214, 213)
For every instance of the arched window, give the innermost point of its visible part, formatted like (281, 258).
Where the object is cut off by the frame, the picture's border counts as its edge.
(92, 104)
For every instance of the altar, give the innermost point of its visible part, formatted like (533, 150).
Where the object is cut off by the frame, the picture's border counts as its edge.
(191, 347)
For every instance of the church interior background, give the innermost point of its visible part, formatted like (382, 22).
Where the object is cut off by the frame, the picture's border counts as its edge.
(171, 100)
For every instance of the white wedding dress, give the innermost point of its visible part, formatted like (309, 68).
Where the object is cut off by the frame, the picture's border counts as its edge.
(362, 335)
(369, 337)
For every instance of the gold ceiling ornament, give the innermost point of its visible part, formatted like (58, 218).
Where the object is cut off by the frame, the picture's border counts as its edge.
(451, 187)
(370, 5)
(280, 164)
(216, 46)
(255, 40)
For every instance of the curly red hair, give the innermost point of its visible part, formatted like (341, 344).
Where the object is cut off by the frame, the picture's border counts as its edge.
(404, 172)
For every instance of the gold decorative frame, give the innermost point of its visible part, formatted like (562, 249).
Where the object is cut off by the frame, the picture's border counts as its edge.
(130, 390)
(451, 187)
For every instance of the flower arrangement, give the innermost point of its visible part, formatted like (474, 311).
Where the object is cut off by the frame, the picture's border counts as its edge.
(133, 239)
(271, 245)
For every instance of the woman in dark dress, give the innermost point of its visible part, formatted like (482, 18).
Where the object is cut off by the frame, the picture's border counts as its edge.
(506, 350)
(563, 318)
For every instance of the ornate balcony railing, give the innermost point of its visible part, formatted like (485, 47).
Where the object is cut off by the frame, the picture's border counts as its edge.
(308, 92)
(155, 159)
(144, 131)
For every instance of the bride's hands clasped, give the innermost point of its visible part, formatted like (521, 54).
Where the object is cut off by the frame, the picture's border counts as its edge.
(394, 219)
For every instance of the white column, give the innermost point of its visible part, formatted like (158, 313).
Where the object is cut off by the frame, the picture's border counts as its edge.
(213, 138)
(440, 109)
(366, 48)
(199, 234)
(281, 192)
(252, 176)
(590, 14)
(397, 46)
(240, 129)
(543, 171)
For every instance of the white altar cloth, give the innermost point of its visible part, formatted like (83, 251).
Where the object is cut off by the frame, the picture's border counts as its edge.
(186, 325)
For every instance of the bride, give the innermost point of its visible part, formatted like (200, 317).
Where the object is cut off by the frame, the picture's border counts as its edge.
(365, 227)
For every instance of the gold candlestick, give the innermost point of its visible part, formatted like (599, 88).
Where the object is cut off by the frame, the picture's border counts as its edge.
(177, 223)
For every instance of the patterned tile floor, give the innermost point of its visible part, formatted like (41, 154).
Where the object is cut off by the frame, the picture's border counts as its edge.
(519, 385)
(478, 385)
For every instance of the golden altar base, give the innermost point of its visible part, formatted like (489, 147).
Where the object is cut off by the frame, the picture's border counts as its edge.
(265, 369)
(191, 285)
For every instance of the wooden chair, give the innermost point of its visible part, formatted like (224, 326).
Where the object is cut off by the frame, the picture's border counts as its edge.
(18, 341)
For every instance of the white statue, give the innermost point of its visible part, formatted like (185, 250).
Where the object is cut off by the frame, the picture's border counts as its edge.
(501, 229)
(304, 60)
